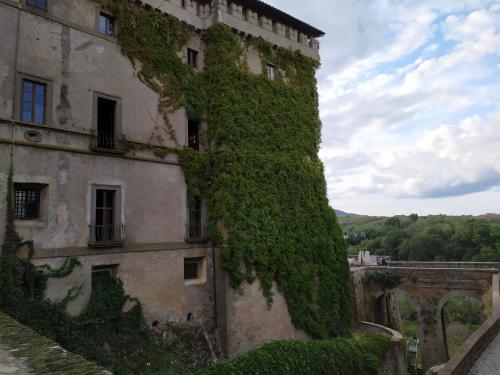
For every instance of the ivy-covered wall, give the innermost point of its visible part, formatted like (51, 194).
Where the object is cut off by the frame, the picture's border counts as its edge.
(259, 173)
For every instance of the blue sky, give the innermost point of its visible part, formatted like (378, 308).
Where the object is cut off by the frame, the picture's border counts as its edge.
(410, 103)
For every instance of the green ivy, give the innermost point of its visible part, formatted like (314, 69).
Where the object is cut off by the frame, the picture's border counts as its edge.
(264, 182)
(355, 356)
(386, 279)
(260, 173)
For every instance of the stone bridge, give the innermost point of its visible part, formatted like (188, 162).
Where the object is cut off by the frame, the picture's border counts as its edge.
(430, 285)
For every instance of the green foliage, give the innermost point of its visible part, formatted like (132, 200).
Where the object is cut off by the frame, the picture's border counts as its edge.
(261, 177)
(359, 355)
(265, 186)
(386, 279)
(431, 238)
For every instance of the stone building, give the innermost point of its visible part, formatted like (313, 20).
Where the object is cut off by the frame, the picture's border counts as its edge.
(71, 107)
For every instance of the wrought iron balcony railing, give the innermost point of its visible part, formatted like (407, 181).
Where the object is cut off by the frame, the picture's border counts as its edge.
(106, 235)
(106, 142)
(196, 232)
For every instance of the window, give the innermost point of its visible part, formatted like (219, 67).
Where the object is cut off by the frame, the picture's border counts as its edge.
(193, 268)
(183, 3)
(27, 201)
(106, 123)
(192, 58)
(245, 14)
(106, 229)
(194, 135)
(38, 4)
(33, 103)
(109, 270)
(271, 71)
(106, 24)
(196, 230)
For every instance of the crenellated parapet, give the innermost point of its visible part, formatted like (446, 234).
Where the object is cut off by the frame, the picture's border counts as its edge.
(250, 17)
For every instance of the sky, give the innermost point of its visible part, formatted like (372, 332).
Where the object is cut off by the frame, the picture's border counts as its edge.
(410, 103)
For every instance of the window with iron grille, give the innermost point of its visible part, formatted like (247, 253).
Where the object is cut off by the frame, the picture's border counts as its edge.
(27, 201)
(106, 24)
(109, 270)
(192, 268)
(38, 4)
(271, 71)
(34, 98)
(192, 58)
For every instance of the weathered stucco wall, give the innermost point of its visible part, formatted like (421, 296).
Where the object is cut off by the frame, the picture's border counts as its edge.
(250, 323)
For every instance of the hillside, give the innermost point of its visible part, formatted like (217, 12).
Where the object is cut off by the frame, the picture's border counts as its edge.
(426, 238)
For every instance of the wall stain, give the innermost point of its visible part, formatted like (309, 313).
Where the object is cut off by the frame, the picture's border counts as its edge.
(63, 109)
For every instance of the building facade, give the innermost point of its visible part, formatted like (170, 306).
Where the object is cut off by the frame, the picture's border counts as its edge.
(78, 123)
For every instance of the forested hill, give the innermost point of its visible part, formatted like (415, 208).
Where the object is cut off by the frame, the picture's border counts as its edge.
(426, 238)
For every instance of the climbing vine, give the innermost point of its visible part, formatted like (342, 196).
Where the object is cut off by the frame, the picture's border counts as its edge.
(386, 279)
(260, 173)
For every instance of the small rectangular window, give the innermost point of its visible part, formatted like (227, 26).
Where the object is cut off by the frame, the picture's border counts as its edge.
(271, 71)
(33, 101)
(192, 58)
(38, 4)
(192, 268)
(27, 201)
(183, 4)
(106, 24)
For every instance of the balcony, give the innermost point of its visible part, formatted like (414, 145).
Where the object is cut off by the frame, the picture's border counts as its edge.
(107, 142)
(196, 232)
(106, 235)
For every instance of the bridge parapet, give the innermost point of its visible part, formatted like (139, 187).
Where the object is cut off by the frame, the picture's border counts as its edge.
(468, 265)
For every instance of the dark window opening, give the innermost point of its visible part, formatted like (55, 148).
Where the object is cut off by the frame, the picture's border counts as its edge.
(245, 14)
(104, 229)
(109, 270)
(271, 71)
(106, 24)
(33, 102)
(192, 58)
(106, 121)
(194, 135)
(38, 4)
(27, 201)
(183, 3)
(192, 268)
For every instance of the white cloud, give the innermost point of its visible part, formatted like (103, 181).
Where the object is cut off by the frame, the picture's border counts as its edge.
(409, 101)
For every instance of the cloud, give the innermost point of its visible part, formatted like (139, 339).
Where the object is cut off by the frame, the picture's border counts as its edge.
(409, 101)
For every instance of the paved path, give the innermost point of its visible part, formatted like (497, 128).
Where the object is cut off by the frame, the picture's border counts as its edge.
(489, 363)
(10, 365)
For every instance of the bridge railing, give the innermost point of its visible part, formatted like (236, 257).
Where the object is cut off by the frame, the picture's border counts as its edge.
(470, 352)
(473, 265)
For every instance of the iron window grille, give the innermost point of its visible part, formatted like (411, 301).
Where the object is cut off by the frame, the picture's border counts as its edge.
(33, 104)
(38, 4)
(27, 201)
(196, 230)
(105, 231)
(192, 268)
